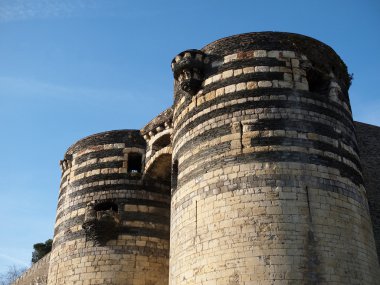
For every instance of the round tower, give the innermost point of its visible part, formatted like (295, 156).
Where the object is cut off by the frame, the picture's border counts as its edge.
(266, 178)
(112, 226)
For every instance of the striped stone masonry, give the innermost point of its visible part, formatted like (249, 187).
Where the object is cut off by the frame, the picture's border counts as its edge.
(252, 176)
(269, 188)
(112, 226)
(158, 135)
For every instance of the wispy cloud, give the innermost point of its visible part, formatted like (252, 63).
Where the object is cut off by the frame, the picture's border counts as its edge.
(12, 259)
(18, 10)
(24, 87)
(21, 10)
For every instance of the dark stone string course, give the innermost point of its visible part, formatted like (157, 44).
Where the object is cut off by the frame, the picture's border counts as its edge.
(242, 63)
(274, 180)
(104, 177)
(67, 224)
(134, 231)
(120, 186)
(109, 164)
(305, 127)
(207, 135)
(127, 216)
(123, 250)
(146, 251)
(255, 76)
(131, 231)
(287, 181)
(277, 124)
(285, 141)
(147, 217)
(252, 105)
(99, 154)
(283, 156)
(62, 192)
(121, 201)
(63, 179)
(270, 141)
(273, 156)
(203, 154)
(61, 201)
(258, 76)
(336, 107)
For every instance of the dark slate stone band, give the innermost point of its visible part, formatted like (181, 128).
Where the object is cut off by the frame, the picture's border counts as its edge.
(270, 141)
(121, 201)
(294, 181)
(131, 231)
(99, 154)
(275, 124)
(104, 177)
(242, 63)
(207, 135)
(273, 156)
(102, 165)
(262, 104)
(127, 216)
(119, 187)
(255, 76)
(130, 249)
(334, 107)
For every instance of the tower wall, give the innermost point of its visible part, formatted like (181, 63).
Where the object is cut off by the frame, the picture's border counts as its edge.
(267, 183)
(369, 146)
(111, 227)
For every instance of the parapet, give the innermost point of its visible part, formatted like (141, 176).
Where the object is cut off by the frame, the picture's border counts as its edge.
(129, 137)
(159, 123)
(323, 58)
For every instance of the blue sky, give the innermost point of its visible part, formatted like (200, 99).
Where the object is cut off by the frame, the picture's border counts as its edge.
(72, 68)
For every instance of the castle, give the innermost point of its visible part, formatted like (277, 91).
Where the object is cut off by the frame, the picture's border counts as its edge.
(253, 176)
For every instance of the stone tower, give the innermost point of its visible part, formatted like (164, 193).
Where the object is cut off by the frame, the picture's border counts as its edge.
(254, 174)
(266, 178)
(112, 224)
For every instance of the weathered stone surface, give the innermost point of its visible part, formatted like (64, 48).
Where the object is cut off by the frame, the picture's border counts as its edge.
(109, 216)
(269, 188)
(369, 145)
(253, 175)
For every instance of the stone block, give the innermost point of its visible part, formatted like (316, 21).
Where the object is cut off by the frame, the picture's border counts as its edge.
(251, 85)
(264, 83)
(260, 53)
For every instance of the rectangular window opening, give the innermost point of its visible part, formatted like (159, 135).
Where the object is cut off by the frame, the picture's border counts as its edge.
(134, 162)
